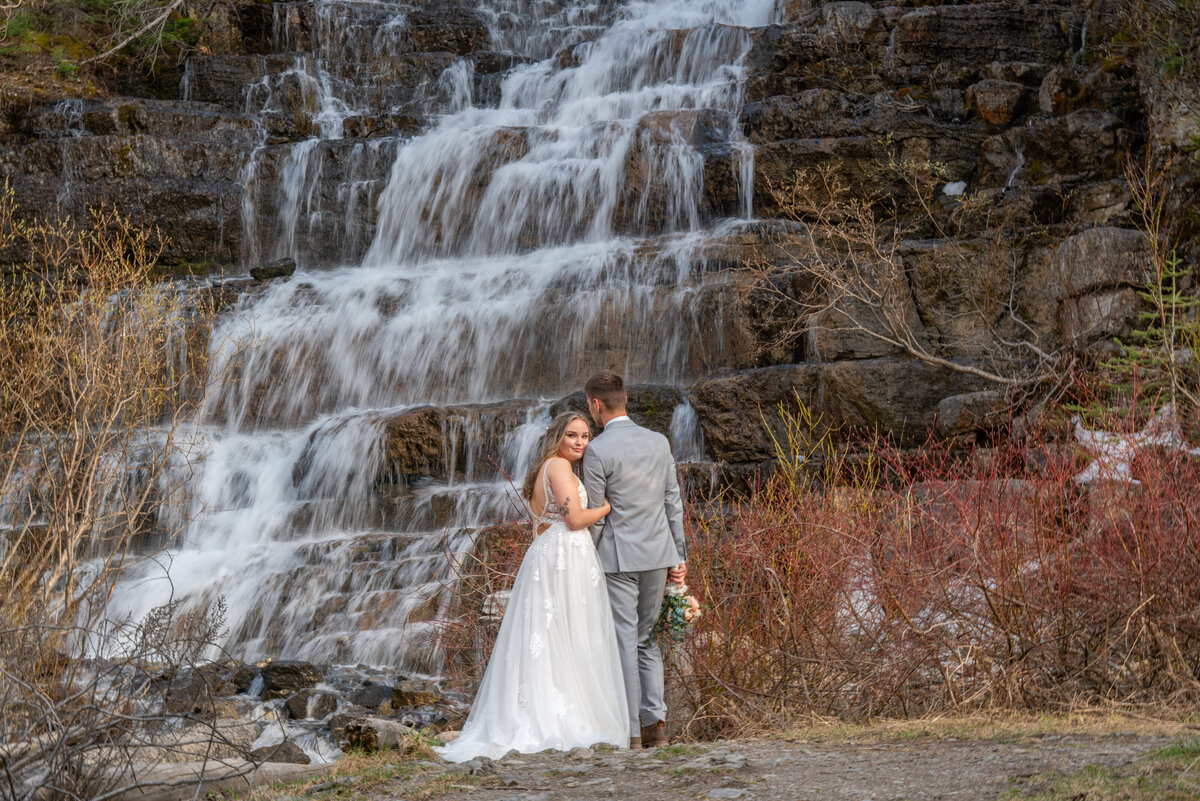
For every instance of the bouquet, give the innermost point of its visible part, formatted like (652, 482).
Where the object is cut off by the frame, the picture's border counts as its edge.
(679, 611)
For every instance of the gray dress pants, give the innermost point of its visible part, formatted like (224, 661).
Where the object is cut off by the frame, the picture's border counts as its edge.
(636, 599)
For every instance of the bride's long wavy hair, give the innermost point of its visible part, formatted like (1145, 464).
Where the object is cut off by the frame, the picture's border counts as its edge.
(548, 447)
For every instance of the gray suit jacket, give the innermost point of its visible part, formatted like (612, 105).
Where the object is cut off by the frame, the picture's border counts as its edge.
(632, 467)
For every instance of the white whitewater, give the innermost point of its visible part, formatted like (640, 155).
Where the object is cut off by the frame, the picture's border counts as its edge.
(509, 260)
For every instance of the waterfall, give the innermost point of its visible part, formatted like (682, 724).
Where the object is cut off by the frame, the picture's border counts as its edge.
(687, 439)
(518, 248)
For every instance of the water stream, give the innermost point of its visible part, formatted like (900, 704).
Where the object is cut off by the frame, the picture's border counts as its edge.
(518, 247)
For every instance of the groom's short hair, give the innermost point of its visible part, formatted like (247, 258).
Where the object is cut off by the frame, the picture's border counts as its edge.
(608, 388)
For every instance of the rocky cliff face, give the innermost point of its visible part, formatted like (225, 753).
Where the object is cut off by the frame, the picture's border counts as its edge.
(491, 201)
(1010, 97)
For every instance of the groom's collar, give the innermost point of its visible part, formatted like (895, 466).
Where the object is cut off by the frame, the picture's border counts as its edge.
(618, 419)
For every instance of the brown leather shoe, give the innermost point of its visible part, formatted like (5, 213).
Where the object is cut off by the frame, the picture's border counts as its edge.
(654, 735)
(635, 742)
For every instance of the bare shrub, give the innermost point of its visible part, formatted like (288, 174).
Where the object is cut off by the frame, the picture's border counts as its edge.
(95, 367)
(906, 583)
(848, 243)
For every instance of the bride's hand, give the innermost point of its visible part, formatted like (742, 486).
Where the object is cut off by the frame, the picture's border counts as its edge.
(606, 507)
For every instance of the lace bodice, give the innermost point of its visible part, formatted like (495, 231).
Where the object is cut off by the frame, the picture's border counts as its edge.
(553, 513)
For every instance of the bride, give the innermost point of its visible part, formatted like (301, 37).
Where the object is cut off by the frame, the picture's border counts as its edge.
(554, 678)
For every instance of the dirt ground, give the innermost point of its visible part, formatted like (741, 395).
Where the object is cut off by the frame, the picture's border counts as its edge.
(995, 763)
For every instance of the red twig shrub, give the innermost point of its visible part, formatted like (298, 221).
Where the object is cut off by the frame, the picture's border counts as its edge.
(944, 580)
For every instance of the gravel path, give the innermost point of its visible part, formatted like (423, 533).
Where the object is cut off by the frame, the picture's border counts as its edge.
(768, 769)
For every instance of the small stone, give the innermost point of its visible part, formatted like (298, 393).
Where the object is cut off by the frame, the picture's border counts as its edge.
(575, 770)
(729, 792)
(479, 766)
(580, 753)
(509, 780)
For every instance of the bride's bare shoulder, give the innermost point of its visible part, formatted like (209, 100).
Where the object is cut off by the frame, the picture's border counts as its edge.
(557, 464)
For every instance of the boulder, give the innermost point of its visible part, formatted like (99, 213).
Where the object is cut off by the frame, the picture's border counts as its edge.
(1102, 314)
(376, 734)
(438, 442)
(200, 692)
(897, 397)
(286, 752)
(740, 413)
(280, 268)
(973, 411)
(1101, 258)
(373, 697)
(283, 678)
(998, 103)
(1060, 92)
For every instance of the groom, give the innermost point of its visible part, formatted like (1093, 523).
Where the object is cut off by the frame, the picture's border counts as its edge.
(640, 543)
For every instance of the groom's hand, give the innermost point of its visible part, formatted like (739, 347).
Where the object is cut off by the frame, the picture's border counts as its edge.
(677, 574)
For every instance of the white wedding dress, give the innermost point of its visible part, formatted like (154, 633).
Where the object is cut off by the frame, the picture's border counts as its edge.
(554, 677)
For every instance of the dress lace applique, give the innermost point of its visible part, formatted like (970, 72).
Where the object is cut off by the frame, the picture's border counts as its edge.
(595, 577)
(558, 703)
(549, 611)
(535, 645)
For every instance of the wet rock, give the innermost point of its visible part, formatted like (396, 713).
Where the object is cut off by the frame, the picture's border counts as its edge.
(243, 678)
(309, 704)
(286, 752)
(342, 721)
(740, 414)
(453, 29)
(414, 693)
(281, 679)
(200, 692)
(281, 268)
(649, 203)
(419, 441)
(373, 697)
(1083, 144)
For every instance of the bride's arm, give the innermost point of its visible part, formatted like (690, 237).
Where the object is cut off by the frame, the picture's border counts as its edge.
(565, 487)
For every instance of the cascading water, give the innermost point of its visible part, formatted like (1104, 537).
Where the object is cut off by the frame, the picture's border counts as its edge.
(518, 249)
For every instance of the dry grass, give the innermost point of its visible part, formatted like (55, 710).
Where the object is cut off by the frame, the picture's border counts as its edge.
(1170, 774)
(996, 726)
